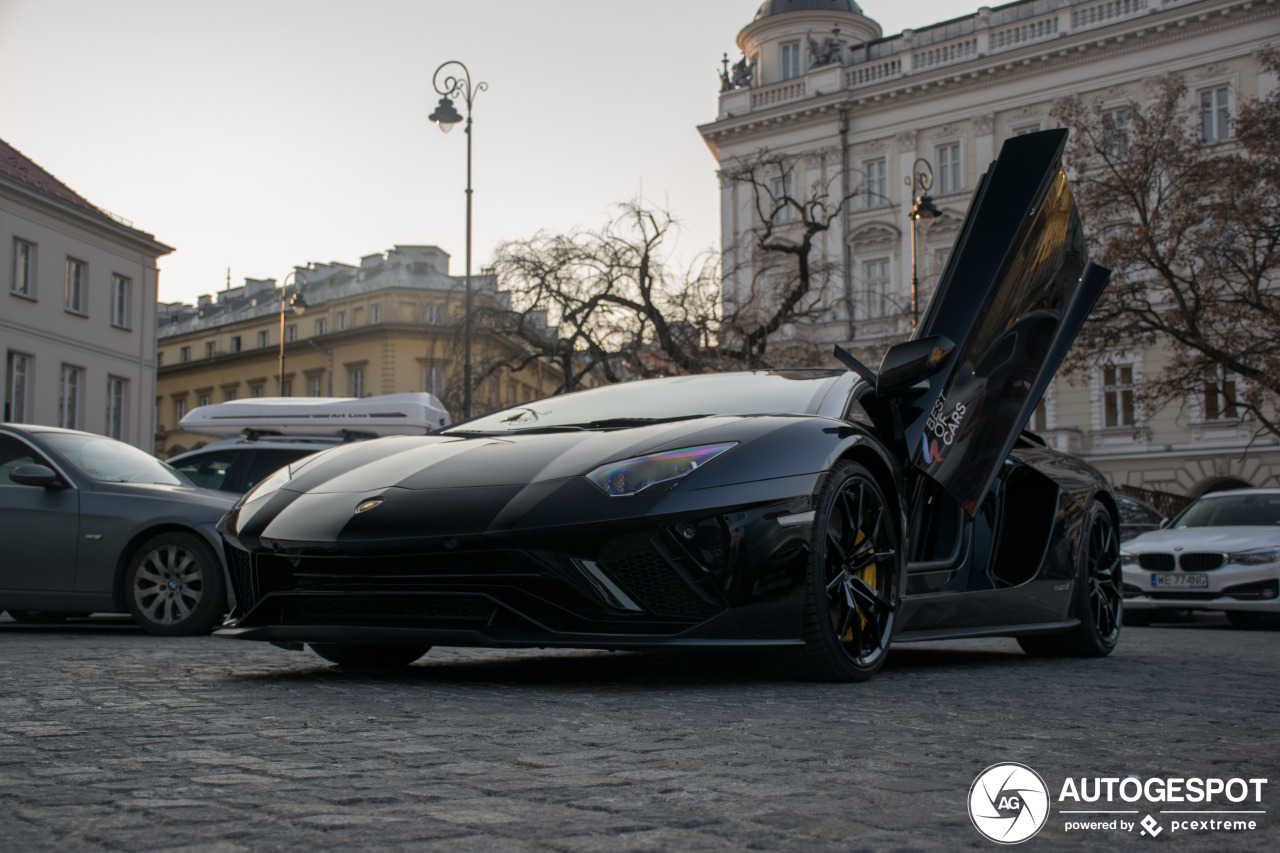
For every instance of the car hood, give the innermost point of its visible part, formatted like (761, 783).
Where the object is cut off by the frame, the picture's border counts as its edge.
(453, 461)
(1216, 539)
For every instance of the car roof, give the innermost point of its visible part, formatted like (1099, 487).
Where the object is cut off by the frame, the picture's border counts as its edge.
(1232, 492)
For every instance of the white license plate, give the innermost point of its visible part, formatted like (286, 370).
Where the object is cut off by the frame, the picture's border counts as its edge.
(1185, 580)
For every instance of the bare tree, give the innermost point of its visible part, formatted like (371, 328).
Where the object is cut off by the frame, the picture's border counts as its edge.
(1192, 230)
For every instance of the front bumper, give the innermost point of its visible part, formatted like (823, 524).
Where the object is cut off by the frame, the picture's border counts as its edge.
(1231, 587)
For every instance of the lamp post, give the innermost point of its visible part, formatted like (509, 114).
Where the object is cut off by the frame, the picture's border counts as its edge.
(445, 117)
(296, 303)
(922, 207)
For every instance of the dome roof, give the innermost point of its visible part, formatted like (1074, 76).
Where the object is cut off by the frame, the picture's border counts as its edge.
(777, 7)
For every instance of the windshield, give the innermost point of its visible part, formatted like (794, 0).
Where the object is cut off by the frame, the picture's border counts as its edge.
(1232, 511)
(778, 392)
(112, 461)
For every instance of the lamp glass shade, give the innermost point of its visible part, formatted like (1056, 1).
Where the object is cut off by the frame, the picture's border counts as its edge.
(445, 116)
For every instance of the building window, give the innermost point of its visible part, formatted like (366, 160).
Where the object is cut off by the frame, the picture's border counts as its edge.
(321, 326)
(235, 343)
(433, 380)
(313, 386)
(210, 349)
(1115, 133)
(116, 396)
(203, 400)
(342, 320)
(949, 177)
(1040, 417)
(75, 285)
(790, 60)
(24, 269)
(263, 338)
(876, 280)
(291, 333)
(160, 358)
(179, 409)
(357, 382)
(255, 391)
(69, 397)
(1025, 129)
(877, 183)
(228, 394)
(783, 212)
(286, 388)
(1215, 114)
(17, 386)
(375, 313)
(1117, 395)
(1220, 397)
(184, 354)
(120, 287)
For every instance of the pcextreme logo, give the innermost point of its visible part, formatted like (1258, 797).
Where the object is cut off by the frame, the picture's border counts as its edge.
(1009, 803)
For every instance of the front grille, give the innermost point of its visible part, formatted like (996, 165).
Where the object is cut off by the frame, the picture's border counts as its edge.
(1156, 562)
(470, 609)
(1200, 562)
(648, 577)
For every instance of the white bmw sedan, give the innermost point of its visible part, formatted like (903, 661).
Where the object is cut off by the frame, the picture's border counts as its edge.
(1220, 553)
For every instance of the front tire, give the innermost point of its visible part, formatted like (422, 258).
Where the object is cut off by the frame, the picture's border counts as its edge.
(851, 590)
(174, 586)
(1099, 605)
(369, 656)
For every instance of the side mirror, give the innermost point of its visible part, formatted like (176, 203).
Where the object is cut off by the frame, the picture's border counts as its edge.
(1164, 522)
(35, 475)
(907, 366)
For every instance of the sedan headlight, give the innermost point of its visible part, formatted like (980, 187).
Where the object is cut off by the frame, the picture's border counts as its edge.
(1128, 559)
(631, 476)
(1255, 558)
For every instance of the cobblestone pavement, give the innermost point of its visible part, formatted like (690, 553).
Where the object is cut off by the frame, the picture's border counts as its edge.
(114, 740)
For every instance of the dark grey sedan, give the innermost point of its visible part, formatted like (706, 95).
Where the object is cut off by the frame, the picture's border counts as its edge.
(90, 524)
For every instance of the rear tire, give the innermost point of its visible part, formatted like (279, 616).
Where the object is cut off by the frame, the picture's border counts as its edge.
(369, 656)
(1099, 606)
(851, 589)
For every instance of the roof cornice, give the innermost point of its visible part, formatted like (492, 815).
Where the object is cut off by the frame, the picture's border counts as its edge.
(99, 222)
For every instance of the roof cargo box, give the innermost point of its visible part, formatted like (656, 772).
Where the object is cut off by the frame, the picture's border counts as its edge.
(390, 414)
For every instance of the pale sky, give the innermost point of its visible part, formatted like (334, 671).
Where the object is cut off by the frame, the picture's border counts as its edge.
(263, 134)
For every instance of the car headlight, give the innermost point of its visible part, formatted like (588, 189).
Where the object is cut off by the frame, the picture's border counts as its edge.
(1255, 558)
(1128, 559)
(631, 476)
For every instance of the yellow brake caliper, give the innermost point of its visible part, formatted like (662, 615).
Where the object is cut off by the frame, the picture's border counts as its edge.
(868, 576)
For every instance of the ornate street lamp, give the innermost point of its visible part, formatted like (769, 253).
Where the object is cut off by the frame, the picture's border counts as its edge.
(295, 302)
(445, 117)
(922, 207)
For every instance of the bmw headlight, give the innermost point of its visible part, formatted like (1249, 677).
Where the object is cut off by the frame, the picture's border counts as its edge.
(1255, 558)
(1128, 559)
(631, 476)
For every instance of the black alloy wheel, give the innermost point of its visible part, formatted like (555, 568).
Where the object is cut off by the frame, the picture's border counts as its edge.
(852, 590)
(369, 656)
(1099, 605)
(174, 585)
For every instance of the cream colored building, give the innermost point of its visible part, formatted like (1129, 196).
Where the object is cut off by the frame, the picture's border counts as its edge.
(950, 93)
(78, 323)
(389, 325)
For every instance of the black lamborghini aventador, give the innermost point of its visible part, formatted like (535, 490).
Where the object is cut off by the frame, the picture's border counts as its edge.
(821, 514)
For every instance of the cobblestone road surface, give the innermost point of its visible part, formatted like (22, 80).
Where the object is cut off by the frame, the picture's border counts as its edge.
(114, 740)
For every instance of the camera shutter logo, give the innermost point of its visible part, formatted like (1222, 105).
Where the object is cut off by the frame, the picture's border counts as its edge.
(1008, 803)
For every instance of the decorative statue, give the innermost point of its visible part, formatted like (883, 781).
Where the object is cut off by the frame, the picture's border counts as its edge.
(743, 72)
(830, 51)
(726, 82)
